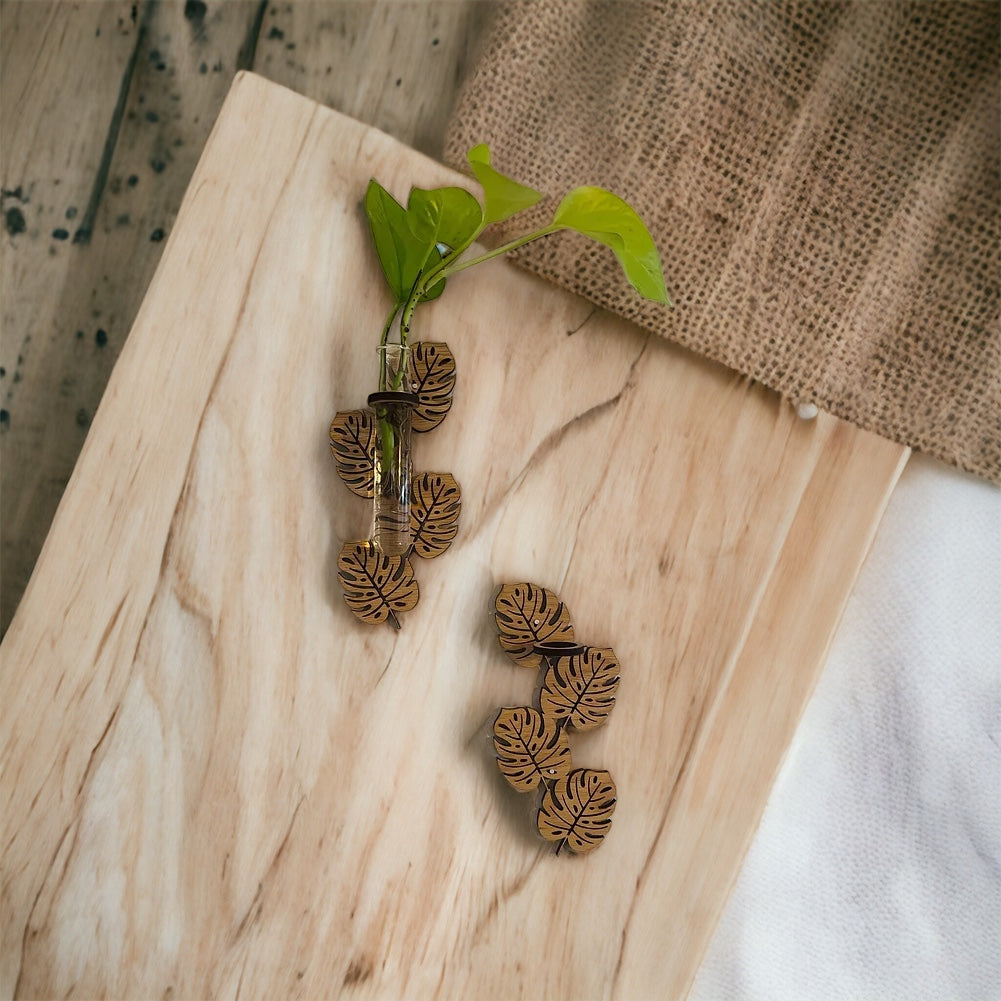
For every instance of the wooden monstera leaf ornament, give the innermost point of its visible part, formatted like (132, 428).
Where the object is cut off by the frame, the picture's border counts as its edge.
(527, 615)
(378, 586)
(433, 380)
(578, 692)
(531, 749)
(434, 513)
(352, 444)
(576, 811)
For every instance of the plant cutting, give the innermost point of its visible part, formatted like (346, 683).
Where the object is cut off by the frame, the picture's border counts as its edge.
(420, 247)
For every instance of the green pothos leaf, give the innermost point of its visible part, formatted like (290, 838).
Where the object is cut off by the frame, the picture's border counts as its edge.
(445, 215)
(610, 220)
(439, 286)
(402, 251)
(502, 195)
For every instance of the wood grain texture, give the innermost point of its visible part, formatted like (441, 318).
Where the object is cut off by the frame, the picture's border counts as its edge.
(105, 110)
(215, 782)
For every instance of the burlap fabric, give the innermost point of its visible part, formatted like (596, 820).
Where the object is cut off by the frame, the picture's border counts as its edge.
(822, 181)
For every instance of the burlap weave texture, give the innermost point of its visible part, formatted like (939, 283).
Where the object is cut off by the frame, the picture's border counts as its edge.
(823, 181)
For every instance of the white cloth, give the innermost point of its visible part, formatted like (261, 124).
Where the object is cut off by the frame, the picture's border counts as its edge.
(876, 871)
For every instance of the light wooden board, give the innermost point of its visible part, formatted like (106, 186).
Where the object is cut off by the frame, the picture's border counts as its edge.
(216, 783)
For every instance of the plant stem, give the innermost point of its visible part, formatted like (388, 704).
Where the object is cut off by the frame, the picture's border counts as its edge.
(382, 342)
(449, 265)
(408, 313)
(388, 326)
(451, 269)
(416, 291)
(388, 440)
(450, 258)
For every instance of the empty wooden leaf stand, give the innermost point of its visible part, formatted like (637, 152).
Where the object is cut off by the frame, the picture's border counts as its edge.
(577, 692)
(215, 781)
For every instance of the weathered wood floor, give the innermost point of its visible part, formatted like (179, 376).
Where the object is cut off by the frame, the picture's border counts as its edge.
(105, 110)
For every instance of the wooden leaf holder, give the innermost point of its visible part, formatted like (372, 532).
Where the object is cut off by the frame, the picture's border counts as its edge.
(577, 692)
(378, 586)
